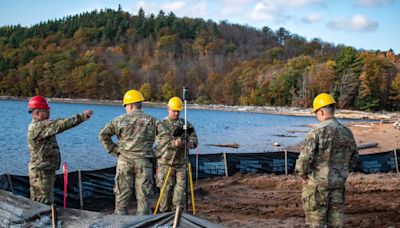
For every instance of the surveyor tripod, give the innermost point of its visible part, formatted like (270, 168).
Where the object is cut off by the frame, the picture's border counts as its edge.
(188, 167)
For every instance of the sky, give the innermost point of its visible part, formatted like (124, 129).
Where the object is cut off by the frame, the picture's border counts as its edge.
(363, 24)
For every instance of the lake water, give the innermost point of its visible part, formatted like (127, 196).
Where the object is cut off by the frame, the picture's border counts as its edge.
(80, 146)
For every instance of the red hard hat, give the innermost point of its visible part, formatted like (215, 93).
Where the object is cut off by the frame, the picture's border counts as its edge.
(38, 102)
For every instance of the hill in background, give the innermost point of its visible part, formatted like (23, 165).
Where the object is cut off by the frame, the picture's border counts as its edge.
(101, 54)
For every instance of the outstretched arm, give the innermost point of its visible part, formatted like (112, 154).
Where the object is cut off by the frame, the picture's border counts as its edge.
(59, 125)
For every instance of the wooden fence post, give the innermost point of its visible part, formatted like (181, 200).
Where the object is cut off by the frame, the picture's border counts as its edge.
(226, 165)
(286, 163)
(10, 183)
(396, 162)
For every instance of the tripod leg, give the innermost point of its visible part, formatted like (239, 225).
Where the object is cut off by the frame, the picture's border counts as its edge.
(162, 190)
(191, 188)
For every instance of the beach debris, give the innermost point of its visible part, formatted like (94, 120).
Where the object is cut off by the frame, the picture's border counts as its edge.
(367, 145)
(360, 125)
(231, 145)
(276, 144)
(285, 135)
(297, 131)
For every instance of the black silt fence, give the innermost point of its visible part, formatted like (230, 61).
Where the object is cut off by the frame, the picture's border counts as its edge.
(98, 184)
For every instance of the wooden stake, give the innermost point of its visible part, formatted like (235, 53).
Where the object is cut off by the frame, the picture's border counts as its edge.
(177, 218)
(53, 216)
(80, 188)
(226, 165)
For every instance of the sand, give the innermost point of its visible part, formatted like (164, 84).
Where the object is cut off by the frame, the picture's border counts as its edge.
(256, 200)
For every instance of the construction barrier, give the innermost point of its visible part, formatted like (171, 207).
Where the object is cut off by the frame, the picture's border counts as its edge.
(16, 211)
(98, 184)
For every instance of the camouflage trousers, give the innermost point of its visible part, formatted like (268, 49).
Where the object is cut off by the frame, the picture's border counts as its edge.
(138, 175)
(41, 185)
(323, 207)
(174, 193)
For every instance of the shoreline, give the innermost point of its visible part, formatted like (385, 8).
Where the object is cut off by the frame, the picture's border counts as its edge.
(383, 116)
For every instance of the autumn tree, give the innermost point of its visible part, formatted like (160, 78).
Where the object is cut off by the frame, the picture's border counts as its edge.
(146, 90)
(103, 53)
(395, 92)
(374, 80)
(347, 70)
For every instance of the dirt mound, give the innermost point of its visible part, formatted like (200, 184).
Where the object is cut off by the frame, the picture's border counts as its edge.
(267, 200)
(256, 200)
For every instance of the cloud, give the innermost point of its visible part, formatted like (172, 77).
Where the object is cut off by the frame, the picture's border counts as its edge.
(197, 10)
(233, 7)
(312, 18)
(301, 3)
(357, 23)
(265, 11)
(373, 3)
(174, 6)
(277, 10)
(179, 8)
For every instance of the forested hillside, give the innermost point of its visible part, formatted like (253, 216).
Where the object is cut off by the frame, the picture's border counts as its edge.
(101, 54)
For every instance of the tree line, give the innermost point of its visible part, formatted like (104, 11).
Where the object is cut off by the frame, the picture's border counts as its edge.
(101, 54)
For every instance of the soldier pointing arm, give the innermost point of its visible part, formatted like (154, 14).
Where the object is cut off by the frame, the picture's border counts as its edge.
(43, 147)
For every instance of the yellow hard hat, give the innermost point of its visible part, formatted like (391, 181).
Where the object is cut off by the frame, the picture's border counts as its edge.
(322, 100)
(175, 104)
(132, 96)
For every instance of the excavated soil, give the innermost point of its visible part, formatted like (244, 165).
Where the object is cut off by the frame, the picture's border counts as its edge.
(275, 201)
(372, 200)
(267, 200)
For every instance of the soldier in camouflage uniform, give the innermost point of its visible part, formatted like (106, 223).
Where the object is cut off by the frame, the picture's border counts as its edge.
(325, 160)
(136, 133)
(43, 147)
(175, 158)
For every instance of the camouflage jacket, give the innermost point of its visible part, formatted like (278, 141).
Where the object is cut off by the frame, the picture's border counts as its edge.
(136, 133)
(328, 153)
(42, 143)
(173, 155)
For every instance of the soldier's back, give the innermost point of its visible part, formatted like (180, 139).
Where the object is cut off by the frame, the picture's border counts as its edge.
(136, 133)
(335, 148)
